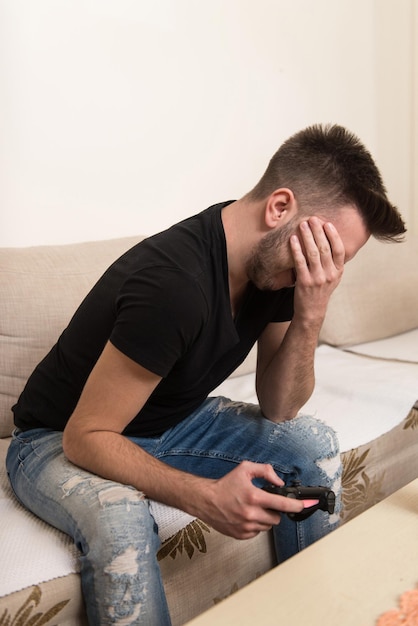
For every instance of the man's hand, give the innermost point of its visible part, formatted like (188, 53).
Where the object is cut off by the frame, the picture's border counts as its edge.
(235, 507)
(319, 256)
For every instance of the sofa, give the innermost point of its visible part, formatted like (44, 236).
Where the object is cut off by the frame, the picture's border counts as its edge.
(366, 388)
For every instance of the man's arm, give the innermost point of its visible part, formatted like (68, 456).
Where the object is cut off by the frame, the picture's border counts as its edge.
(115, 392)
(285, 364)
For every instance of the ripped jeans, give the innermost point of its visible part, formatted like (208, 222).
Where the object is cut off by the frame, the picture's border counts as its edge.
(111, 524)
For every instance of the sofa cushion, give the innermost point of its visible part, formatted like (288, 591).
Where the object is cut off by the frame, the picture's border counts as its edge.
(40, 289)
(377, 297)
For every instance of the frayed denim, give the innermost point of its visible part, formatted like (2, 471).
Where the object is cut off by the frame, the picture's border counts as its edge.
(111, 524)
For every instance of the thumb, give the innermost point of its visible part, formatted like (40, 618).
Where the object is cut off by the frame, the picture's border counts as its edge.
(266, 471)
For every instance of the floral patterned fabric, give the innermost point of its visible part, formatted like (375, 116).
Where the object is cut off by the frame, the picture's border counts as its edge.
(374, 471)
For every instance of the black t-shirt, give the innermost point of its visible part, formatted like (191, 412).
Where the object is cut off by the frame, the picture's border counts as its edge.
(165, 304)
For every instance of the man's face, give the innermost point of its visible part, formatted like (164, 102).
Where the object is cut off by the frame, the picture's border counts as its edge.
(271, 265)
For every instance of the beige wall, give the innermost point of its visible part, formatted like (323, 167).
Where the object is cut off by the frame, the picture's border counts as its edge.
(396, 105)
(414, 133)
(123, 116)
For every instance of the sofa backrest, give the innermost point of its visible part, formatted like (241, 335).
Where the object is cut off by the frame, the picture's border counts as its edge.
(40, 288)
(377, 296)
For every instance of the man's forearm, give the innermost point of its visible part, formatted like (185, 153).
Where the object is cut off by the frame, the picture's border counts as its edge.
(288, 381)
(114, 457)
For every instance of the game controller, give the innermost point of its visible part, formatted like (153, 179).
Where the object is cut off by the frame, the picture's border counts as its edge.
(325, 497)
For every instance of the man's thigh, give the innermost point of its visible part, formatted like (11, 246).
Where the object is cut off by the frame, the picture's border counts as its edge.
(223, 433)
(62, 494)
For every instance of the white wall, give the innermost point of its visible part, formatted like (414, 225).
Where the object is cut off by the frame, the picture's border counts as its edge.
(122, 116)
(396, 105)
(414, 133)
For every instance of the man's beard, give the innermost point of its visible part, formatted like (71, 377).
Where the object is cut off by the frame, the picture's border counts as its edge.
(270, 257)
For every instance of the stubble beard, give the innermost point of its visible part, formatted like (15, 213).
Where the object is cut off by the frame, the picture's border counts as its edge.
(267, 258)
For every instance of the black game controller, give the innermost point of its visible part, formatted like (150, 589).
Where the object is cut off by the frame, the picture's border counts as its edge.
(325, 497)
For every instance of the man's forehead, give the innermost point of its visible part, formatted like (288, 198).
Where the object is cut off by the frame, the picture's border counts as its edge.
(351, 227)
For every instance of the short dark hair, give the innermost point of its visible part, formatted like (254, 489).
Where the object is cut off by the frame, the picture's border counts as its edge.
(326, 167)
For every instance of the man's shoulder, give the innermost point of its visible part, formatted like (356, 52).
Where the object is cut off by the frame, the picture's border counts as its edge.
(193, 245)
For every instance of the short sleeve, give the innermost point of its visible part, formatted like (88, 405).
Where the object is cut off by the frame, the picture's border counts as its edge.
(160, 313)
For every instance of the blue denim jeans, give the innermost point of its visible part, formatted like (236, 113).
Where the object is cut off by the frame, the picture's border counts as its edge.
(111, 524)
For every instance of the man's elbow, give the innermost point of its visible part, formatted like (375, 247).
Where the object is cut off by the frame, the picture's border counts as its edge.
(67, 444)
(283, 409)
(278, 412)
(72, 444)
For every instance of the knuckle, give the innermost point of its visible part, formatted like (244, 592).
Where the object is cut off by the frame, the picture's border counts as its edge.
(313, 254)
(249, 514)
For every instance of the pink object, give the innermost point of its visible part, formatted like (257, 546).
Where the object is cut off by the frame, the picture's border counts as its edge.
(309, 503)
(406, 615)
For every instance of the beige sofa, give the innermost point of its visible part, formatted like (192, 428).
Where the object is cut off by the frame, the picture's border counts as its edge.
(40, 288)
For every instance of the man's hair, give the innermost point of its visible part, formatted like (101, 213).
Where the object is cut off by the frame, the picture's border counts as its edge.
(326, 167)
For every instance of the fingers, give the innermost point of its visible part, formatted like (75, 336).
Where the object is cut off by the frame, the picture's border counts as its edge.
(322, 244)
(246, 508)
(319, 255)
(283, 504)
(337, 246)
(269, 502)
(242, 510)
(261, 470)
(267, 510)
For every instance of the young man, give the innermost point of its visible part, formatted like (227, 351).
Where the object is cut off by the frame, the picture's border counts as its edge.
(120, 405)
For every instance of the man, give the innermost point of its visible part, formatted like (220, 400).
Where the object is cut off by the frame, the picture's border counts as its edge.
(120, 405)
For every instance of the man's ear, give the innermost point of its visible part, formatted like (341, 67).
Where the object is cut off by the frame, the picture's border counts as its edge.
(281, 206)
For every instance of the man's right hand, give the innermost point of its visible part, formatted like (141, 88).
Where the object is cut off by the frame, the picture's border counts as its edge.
(235, 507)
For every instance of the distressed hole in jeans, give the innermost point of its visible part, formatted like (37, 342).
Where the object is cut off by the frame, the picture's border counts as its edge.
(108, 493)
(132, 614)
(125, 563)
(331, 467)
(124, 567)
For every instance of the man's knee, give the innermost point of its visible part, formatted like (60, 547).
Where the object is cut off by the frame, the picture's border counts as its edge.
(312, 435)
(312, 446)
(317, 436)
